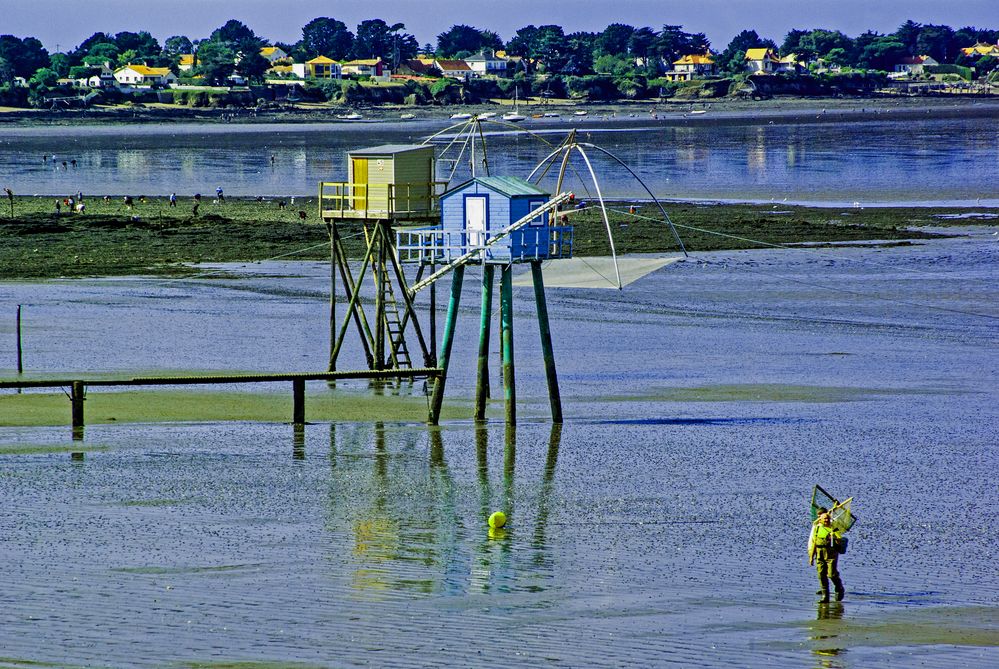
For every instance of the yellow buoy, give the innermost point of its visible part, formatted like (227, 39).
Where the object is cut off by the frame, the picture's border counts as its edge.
(498, 519)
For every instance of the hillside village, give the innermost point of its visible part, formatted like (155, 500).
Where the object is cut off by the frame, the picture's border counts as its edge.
(236, 67)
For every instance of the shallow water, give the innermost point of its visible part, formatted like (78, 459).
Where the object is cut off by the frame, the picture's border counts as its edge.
(878, 160)
(665, 523)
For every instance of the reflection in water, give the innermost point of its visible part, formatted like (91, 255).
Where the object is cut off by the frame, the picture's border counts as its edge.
(410, 528)
(943, 159)
(824, 635)
(298, 442)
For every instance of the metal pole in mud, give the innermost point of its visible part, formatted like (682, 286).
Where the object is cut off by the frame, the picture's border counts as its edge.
(433, 317)
(437, 399)
(482, 378)
(20, 363)
(298, 401)
(506, 328)
(76, 399)
(554, 398)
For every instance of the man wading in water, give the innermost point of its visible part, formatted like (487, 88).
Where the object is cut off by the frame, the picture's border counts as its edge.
(824, 554)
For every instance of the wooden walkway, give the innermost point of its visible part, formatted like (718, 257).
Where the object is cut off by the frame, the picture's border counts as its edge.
(78, 385)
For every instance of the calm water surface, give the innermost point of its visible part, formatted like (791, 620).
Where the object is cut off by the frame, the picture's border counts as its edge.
(879, 160)
(654, 529)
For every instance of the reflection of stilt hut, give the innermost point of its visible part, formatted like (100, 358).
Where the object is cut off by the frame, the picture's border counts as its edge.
(492, 221)
(386, 185)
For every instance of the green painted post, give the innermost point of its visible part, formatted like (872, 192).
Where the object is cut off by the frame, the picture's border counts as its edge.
(506, 328)
(482, 378)
(437, 399)
(554, 398)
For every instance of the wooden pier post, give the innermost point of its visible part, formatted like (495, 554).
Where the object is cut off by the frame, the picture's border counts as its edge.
(506, 327)
(76, 399)
(554, 397)
(298, 401)
(437, 398)
(482, 377)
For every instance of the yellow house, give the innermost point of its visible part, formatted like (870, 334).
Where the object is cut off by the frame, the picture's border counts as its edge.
(761, 60)
(322, 67)
(981, 49)
(187, 62)
(273, 54)
(692, 67)
(140, 75)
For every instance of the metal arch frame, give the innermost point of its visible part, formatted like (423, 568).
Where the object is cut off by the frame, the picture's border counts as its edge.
(567, 147)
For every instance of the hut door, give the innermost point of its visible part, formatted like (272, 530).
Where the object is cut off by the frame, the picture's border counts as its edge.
(359, 167)
(475, 220)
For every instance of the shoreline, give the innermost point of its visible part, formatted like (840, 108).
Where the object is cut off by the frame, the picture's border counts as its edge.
(776, 110)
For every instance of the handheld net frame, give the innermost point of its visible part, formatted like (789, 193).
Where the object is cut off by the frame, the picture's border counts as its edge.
(840, 515)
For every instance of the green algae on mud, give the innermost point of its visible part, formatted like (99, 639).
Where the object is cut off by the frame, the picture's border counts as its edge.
(47, 449)
(152, 238)
(37, 409)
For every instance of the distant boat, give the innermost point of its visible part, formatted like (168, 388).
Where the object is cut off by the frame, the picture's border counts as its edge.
(350, 117)
(487, 115)
(460, 117)
(515, 116)
(407, 116)
(699, 111)
(550, 115)
(582, 112)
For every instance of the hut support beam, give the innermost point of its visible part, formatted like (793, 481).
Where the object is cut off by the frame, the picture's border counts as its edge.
(482, 378)
(506, 326)
(437, 399)
(554, 398)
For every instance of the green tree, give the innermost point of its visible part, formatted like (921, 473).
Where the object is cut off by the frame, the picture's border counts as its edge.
(177, 45)
(579, 54)
(234, 33)
(101, 53)
(142, 43)
(129, 57)
(673, 42)
(377, 39)
(216, 62)
(819, 42)
(60, 63)
(907, 34)
(731, 59)
(251, 65)
(938, 42)
(461, 38)
(882, 54)
(614, 40)
(328, 37)
(24, 55)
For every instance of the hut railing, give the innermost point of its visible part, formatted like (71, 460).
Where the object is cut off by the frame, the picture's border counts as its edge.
(343, 199)
(434, 245)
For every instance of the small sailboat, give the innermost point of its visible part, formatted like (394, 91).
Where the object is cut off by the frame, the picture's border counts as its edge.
(581, 112)
(515, 116)
(407, 116)
(460, 116)
(353, 116)
(487, 115)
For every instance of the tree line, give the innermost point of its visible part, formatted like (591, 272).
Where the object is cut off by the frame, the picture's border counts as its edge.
(632, 56)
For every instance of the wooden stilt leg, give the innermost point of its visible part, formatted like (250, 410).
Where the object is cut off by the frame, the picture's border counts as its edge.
(437, 399)
(554, 398)
(482, 378)
(506, 325)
